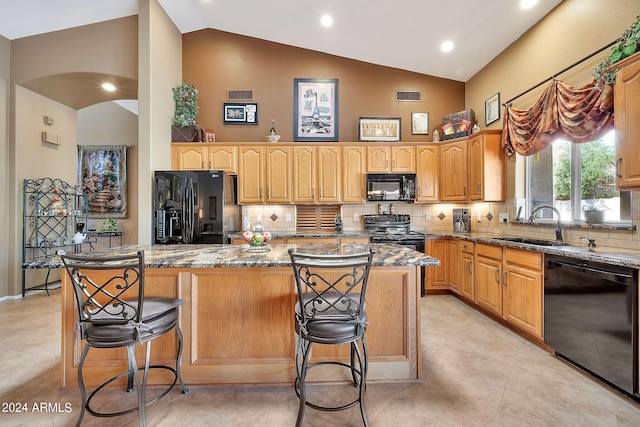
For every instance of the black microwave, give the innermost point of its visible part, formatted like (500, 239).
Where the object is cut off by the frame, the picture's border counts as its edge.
(391, 186)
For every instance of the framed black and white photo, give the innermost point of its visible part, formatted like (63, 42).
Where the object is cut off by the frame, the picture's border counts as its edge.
(379, 129)
(315, 107)
(492, 109)
(244, 113)
(419, 123)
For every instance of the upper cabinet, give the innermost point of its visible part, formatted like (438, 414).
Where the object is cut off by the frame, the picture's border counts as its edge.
(264, 174)
(427, 171)
(317, 174)
(251, 175)
(201, 156)
(354, 172)
(391, 158)
(473, 169)
(627, 123)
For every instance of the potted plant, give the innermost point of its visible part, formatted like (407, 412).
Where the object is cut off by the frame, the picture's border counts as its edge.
(184, 128)
(628, 44)
(594, 213)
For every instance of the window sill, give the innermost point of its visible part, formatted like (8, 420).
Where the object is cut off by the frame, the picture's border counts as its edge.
(623, 226)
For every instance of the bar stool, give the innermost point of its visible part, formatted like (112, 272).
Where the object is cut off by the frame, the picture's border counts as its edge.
(331, 310)
(113, 312)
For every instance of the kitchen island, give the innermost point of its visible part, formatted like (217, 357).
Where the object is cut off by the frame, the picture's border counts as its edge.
(238, 316)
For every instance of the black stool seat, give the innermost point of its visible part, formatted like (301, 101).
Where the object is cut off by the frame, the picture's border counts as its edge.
(110, 317)
(330, 310)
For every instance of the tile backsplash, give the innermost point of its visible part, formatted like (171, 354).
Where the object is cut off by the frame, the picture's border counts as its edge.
(437, 218)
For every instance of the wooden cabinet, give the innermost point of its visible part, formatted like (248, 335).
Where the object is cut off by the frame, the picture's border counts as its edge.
(509, 284)
(453, 171)
(278, 174)
(437, 278)
(488, 292)
(427, 171)
(251, 174)
(204, 156)
(523, 291)
(316, 174)
(473, 169)
(627, 123)
(454, 265)
(354, 173)
(467, 268)
(387, 158)
(264, 174)
(487, 179)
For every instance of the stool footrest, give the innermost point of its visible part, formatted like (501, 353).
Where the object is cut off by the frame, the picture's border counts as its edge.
(134, 409)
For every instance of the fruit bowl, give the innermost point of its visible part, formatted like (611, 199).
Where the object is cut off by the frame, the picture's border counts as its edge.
(257, 240)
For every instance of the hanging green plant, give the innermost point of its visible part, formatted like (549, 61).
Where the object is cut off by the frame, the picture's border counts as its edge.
(628, 44)
(186, 98)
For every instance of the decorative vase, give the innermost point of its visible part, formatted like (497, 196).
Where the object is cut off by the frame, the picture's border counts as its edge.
(185, 134)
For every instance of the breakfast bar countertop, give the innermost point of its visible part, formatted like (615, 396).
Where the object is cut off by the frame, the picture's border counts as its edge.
(236, 256)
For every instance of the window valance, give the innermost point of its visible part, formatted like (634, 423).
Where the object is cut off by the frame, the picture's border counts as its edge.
(561, 112)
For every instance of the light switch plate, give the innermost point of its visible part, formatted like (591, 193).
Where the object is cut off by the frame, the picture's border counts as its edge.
(288, 218)
(503, 217)
(356, 217)
(427, 216)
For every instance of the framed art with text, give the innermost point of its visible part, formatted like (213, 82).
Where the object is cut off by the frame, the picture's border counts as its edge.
(492, 109)
(315, 108)
(419, 123)
(379, 129)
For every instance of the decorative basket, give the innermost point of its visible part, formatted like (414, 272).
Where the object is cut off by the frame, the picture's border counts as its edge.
(259, 249)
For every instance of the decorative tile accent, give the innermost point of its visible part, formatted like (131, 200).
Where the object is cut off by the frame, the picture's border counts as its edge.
(442, 216)
(273, 217)
(489, 216)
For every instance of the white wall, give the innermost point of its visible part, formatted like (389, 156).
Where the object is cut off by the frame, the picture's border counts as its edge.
(5, 54)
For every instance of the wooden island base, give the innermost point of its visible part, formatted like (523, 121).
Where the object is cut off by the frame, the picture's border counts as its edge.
(238, 326)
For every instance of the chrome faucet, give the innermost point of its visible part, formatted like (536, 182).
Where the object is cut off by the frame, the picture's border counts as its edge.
(532, 218)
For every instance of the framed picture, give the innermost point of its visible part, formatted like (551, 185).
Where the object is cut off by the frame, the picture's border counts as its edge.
(209, 135)
(379, 129)
(315, 108)
(492, 109)
(419, 123)
(243, 113)
(102, 173)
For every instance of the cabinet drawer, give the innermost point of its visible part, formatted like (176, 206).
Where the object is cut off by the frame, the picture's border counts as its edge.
(467, 247)
(529, 259)
(489, 251)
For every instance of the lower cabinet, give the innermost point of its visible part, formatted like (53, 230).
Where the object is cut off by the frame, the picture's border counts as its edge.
(506, 282)
(437, 278)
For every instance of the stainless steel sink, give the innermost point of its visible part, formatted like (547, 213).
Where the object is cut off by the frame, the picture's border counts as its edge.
(528, 241)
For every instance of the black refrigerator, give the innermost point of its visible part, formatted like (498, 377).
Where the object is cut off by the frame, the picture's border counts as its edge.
(193, 207)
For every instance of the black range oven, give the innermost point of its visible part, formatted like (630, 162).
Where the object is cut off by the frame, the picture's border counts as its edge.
(395, 228)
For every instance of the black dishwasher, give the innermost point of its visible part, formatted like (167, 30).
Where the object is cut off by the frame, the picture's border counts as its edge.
(591, 319)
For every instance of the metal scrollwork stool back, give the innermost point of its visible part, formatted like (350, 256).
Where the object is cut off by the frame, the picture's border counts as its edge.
(331, 310)
(113, 313)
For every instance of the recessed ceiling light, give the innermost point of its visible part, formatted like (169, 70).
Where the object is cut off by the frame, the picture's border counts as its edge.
(326, 20)
(527, 4)
(446, 46)
(108, 87)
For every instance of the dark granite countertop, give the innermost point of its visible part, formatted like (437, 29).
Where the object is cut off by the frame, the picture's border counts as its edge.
(286, 234)
(235, 256)
(607, 255)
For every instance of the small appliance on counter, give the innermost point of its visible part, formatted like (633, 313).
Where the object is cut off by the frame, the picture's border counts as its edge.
(461, 221)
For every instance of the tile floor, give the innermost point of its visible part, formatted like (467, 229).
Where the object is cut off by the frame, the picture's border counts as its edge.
(477, 373)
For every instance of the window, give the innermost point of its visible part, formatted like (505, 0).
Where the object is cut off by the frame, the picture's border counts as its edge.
(576, 178)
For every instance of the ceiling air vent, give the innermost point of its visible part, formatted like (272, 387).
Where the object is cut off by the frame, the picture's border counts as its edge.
(239, 95)
(408, 95)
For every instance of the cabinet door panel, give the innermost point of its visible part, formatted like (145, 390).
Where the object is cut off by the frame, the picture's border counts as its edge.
(251, 175)
(304, 173)
(378, 159)
(453, 171)
(278, 175)
(354, 166)
(190, 157)
(224, 159)
(403, 159)
(488, 293)
(627, 119)
(329, 175)
(427, 170)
